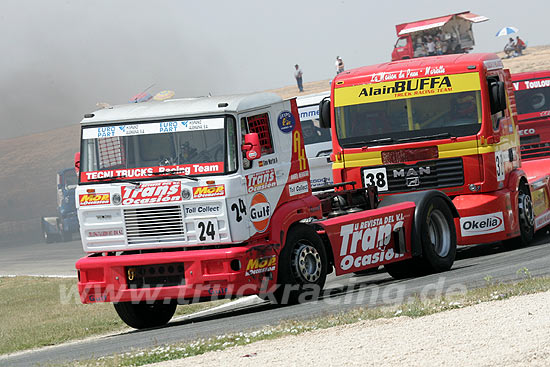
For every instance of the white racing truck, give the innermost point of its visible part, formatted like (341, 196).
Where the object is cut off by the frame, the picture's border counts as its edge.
(188, 200)
(316, 139)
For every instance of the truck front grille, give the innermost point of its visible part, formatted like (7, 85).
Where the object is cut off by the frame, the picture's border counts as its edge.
(535, 151)
(432, 174)
(158, 224)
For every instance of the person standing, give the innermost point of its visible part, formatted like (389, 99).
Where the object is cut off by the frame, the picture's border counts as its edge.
(298, 75)
(339, 65)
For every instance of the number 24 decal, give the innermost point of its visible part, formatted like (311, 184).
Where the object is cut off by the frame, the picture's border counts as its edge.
(239, 210)
(207, 230)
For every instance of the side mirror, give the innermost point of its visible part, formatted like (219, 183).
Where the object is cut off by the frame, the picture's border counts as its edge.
(77, 163)
(497, 97)
(324, 113)
(251, 146)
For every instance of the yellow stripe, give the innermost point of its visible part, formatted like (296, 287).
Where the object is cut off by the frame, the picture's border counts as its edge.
(410, 88)
(449, 150)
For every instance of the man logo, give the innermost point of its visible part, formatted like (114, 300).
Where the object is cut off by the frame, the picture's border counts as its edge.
(413, 181)
(420, 171)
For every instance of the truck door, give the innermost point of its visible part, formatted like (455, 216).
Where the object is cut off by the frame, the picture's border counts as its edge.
(505, 134)
(264, 178)
(402, 49)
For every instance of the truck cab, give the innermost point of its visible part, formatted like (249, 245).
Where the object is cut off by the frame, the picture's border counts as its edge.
(532, 91)
(157, 158)
(453, 32)
(62, 226)
(447, 123)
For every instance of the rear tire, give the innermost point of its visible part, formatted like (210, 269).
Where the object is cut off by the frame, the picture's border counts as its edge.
(526, 219)
(142, 315)
(48, 238)
(302, 264)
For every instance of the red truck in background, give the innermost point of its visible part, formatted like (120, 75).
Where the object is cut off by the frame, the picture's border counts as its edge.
(532, 90)
(453, 32)
(445, 123)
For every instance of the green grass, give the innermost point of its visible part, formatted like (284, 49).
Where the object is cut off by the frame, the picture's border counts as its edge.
(36, 312)
(416, 308)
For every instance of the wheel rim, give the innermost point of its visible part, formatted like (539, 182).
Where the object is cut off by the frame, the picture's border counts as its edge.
(526, 215)
(439, 233)
(306, 262)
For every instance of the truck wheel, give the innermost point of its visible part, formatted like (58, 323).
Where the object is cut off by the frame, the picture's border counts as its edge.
(526, 218)
(48, 237)
(437, 234)
(302, 264)
(142, 315)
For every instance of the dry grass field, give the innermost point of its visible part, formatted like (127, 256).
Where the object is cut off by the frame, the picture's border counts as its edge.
(28, 164)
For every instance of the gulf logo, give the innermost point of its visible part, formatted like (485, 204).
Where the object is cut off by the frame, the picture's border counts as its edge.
(260, 212)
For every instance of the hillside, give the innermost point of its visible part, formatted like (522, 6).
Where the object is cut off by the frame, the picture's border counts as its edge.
(29, 163)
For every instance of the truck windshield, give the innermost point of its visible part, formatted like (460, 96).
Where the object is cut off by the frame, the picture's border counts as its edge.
(533, 96)
(389, 120)
(150, 150)
(309, 119)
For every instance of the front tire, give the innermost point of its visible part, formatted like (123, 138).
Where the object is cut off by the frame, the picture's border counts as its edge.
(436, 231)
(302, 264)
(143, 315)
(438, 236)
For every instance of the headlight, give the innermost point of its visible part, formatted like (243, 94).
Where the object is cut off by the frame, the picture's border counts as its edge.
(116, 199)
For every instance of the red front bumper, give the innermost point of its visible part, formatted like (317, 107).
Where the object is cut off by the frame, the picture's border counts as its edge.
(212, 273)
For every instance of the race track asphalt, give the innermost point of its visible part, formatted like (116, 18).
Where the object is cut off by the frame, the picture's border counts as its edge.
(470, 270)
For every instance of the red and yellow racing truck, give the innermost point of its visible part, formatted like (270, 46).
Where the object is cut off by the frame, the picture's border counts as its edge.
(445, 123)
(187, 200)
(532, 91)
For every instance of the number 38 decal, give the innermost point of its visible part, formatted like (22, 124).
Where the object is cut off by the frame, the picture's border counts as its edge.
(376, 177)
(207, 230)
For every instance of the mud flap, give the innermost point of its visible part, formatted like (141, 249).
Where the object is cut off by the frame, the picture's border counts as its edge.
(399, 243)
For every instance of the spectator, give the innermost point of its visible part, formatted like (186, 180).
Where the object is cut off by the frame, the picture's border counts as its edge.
(339, 65)
(298, 75)
(420, 50)
(431, 46)
(509, 48)
(520, 46)
(438, 46)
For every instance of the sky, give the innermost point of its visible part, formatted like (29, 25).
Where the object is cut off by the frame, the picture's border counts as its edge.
(61, 57)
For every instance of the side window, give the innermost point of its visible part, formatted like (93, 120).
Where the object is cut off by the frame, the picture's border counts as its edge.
(231, 144)
(495, 117)
(402, 42)
(259, 124)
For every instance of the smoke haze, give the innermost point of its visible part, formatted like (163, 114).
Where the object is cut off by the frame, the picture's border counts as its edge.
(62, 57)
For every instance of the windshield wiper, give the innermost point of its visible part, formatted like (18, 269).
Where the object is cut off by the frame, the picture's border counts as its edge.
(424, 137)
(113, 179)
(175, 174)
(367, 142)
